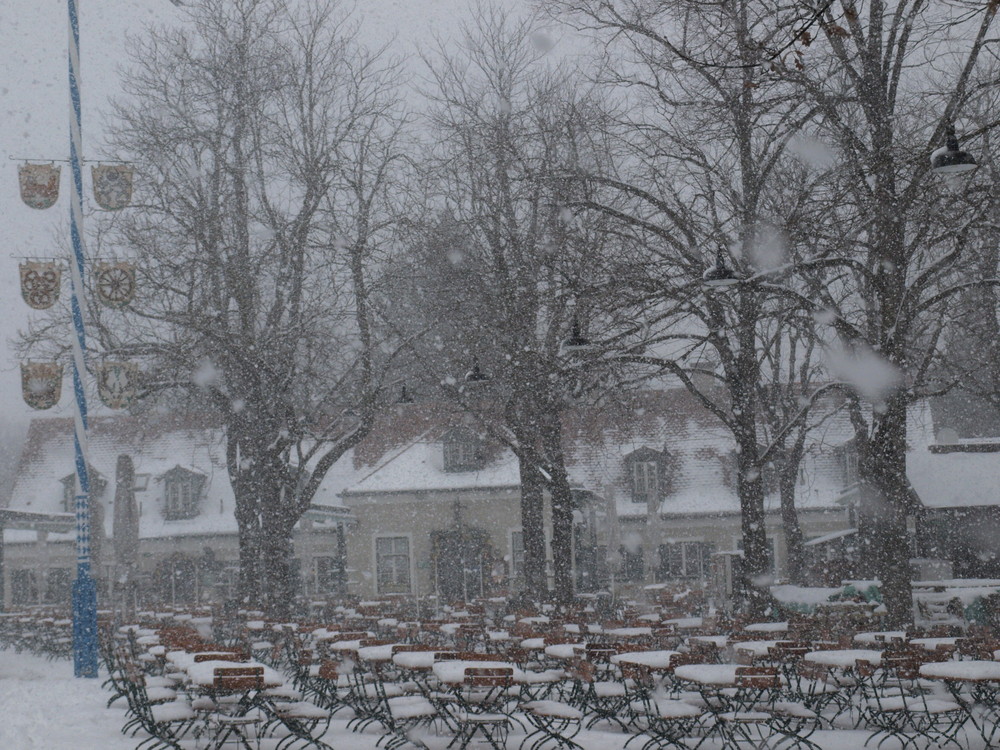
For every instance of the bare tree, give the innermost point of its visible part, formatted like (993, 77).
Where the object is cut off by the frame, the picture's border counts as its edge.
(895, 232)
(266, 141)
(510, 266)
(705, 135)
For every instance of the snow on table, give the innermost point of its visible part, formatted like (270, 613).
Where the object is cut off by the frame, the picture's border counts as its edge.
(756, 649)
(684, 623)
(414, 659)
(931, 644)
(654, 659)
(376, 653)
(628, 632)
(843, 658)
(880, 637)
(536, 620)
(185, 659)
(564, 650)
(767, 627)
(715, 640)
(973, 671)
(453, 671)
(202, 673)
(708, 674)
(345, 645)
(572, 627)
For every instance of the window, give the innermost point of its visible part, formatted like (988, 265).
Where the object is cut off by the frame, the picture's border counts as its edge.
(392, 564)
(687, 560)
(645, 480)
(97, 485)
(645, 474)
(181, 493)
(462, 451)
(517, 554)
(23, 589)
(329, 575)
(57, 586)
(847, 457)
(633, 566)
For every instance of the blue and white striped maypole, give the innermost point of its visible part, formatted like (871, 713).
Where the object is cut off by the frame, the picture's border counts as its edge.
(84, 589)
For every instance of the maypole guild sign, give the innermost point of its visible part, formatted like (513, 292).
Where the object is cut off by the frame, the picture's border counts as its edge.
(112, 186)
(115, 283)
(116, 383)
(40, 283)
(41, 384)
(39, 184)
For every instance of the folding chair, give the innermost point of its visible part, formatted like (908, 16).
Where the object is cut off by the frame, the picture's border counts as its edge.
(897, 707)
(482, 707)
(555, 723)
(236, 714)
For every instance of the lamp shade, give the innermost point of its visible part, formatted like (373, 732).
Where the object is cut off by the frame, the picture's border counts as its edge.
(720, 274)
(950, 159)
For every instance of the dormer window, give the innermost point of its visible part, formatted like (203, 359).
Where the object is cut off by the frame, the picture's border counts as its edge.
(847, 459)
(181, 493)
(645, 468)
(462, 451)
(97, 485)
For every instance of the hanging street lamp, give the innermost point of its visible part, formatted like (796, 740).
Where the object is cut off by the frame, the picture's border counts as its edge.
(950, 159)
(720, 275)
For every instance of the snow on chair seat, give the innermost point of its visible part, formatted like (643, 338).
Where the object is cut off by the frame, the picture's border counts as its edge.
(552, 708)
(674, 709)
(170, 712)
(410, 707)
(609, 689)
(300, 710)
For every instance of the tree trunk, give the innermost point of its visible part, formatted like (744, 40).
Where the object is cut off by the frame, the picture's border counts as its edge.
(794, 542)
(278, 551)
(533, 531)
(883, 508)
(562, 534)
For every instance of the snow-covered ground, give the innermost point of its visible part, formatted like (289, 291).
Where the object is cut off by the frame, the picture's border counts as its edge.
(42, 707)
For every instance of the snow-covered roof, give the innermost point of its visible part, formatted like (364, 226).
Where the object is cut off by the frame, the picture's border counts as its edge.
(955, 479)
(156, 444)
(419, 467)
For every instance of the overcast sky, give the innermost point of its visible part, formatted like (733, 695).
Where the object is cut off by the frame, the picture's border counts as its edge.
(34, 121)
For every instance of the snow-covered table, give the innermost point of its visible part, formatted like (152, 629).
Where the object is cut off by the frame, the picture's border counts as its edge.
(452, 672)
(685, 623)
(422, 660)
(755, 649)
(715, 675)
(653, 659)
(202, 674)
(932, 644)
(843, 658)
(638, 632)
(565, 651)
(381, 653)
(767, 627)
(885, 636)
(719, 641)
(967, 671)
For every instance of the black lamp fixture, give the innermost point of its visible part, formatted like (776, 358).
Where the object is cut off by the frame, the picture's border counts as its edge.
(720, 274)
(476, 375)
(576, 342)
(950, 159)
(404, 396)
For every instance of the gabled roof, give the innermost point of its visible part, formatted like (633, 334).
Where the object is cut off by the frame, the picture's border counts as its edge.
(157, 444)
